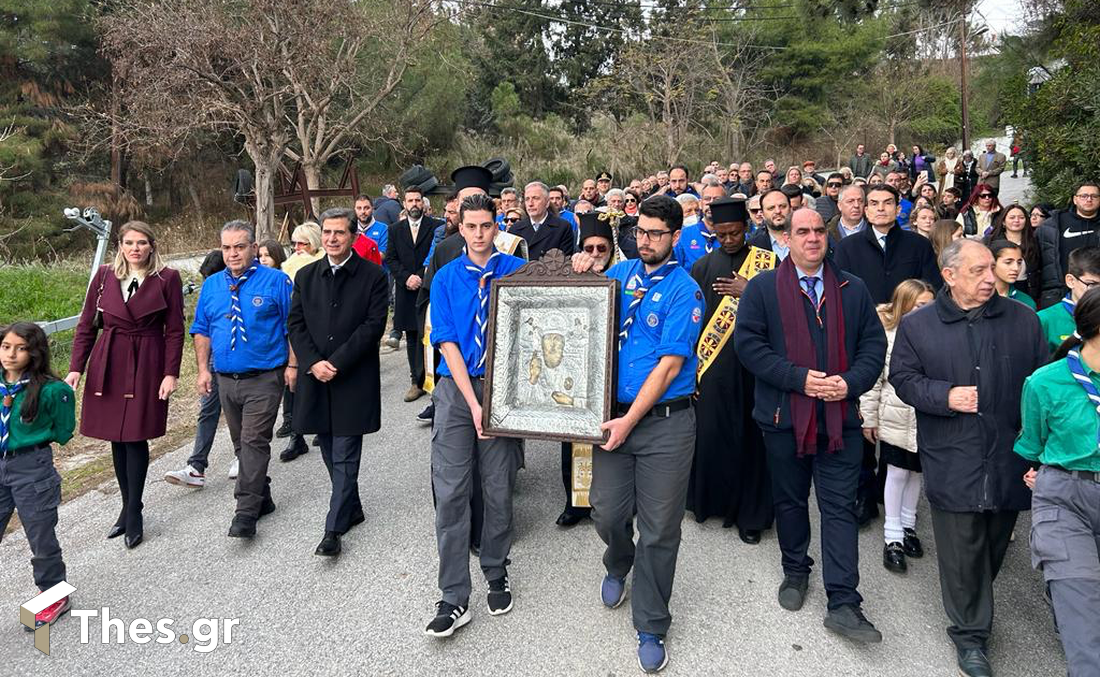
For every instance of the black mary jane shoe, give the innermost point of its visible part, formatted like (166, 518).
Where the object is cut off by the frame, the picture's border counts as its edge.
(912, 544)
(893, 558)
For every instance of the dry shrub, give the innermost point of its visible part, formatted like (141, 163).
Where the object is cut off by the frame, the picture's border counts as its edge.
(113, 202)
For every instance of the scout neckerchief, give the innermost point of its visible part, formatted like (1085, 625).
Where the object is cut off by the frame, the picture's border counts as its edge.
(235, 317)
(709, 238)
(8, 392)
(1069, 304)
(1077, 368)
(720, 327)
(483, 276)
(641, 285)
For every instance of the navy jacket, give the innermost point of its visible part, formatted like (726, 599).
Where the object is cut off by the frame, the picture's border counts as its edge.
(967, 459)
(554, 233)
(760, 342)
(907, 255)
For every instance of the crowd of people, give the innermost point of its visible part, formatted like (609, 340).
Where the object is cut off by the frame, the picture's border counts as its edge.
(884, 328)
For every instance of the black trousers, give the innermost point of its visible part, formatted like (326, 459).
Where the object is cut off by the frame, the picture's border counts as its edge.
(131, 461)
(342, 454)
(414, 351)
(567, 481)
(288, 404)
(970, 547)
(834, 476)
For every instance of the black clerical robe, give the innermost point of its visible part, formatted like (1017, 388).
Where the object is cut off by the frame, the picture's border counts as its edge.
(729, 476)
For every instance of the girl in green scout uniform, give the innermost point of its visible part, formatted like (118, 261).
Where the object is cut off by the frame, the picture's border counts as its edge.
(1060, 413)
(36, 408)
(1008, 260)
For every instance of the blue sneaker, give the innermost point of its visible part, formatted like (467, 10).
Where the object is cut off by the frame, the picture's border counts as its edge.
(612, 591)
(652, 656)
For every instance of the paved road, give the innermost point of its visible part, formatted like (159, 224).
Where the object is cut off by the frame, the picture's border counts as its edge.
(363, 613)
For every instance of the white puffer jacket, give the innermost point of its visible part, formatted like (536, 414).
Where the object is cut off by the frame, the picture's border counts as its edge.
(881, 408)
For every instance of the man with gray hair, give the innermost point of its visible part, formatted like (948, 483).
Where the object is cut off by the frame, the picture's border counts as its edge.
(961, 363)
(241, 320)
(386, 208)
(542, 230)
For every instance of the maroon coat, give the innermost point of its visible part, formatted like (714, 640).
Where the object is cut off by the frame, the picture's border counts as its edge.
(141, 342)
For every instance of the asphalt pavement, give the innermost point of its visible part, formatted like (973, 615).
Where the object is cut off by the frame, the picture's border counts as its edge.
(363, 614)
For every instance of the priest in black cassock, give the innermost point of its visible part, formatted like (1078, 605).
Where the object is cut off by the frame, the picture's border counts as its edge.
(729, 475)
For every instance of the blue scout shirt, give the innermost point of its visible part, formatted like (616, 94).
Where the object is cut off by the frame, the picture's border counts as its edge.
(380, 233)
(696, 241)
(668, 322)
(455, 304)
(265, 305)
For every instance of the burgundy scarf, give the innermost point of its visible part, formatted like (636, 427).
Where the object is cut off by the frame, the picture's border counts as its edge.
(801, 351)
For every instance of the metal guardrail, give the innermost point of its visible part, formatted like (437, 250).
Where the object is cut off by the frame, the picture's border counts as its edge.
(66, 323)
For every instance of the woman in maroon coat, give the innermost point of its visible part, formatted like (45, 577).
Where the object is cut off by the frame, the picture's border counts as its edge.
(130, 338)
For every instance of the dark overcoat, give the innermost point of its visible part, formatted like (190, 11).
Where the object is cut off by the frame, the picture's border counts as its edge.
(124, 363)
(404, 258)
(339, 318)
(554, 233)
(967, 459)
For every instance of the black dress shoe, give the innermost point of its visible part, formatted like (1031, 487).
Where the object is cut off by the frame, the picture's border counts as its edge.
(116, 531)
(750, 536)
(329, 546)
(133, 540)
(296, 448)
(912, 545)
(893, 558)
(849, 621)
(243, 526)
(569, 519)
(284, 430)
(974, 663)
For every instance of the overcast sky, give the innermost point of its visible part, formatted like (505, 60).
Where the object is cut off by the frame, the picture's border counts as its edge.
(1001, 15)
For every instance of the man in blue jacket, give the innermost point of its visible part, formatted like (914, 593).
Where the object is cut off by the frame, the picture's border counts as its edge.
(809, 333)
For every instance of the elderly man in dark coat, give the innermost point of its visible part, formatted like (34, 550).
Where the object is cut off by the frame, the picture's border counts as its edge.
(961, 363)
(337, 317)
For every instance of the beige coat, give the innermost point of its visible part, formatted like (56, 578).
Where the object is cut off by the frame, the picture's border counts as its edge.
(882, 409)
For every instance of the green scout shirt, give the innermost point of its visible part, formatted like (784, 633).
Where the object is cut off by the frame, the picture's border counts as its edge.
(1017, 295)
(1057, 325)
(1059, 421)
(55, 420)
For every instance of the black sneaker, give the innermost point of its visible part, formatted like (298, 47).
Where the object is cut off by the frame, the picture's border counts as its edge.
(850, 622)
(448, 618)
(500, 596)
(284, 430)
(428, 414)
(792, 592)
(243, 526)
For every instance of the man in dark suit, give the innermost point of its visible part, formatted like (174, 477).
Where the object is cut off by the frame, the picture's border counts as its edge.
(337, 317)
(542, 230)
(777, 219)
(884, 254)
(409, 242)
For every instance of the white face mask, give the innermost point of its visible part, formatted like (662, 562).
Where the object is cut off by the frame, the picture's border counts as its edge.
(691, 220)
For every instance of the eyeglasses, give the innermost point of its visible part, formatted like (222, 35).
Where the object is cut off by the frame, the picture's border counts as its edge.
(755, 211)
(511, 220)
(833, 185)
(1089, 284)
(298, 243)
(652, 235)
(594, 248)
(1088, 196)
(985, 196)
(631, 201)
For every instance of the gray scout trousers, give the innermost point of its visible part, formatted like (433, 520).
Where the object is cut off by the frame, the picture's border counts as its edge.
(454, 443)
(250, 406)
(648, 473)
(1065, 541)
(30, 484)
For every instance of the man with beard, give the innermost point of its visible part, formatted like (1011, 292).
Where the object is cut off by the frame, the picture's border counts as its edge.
(698, 239)
(729, 476)
(678, 182)
(644, 466)
(558, 205)
(777, 214)
(409, 242)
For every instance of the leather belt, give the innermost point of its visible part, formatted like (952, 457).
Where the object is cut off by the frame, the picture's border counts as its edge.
(1087, 475)
(661, 410)
(242, 375)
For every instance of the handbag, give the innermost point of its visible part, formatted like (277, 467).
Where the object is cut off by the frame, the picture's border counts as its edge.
(97, 319)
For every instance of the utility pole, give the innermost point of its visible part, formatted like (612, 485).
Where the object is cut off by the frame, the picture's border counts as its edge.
(962, 79)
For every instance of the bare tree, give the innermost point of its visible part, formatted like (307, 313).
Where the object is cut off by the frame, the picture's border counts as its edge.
(256, 68)
(739, 96)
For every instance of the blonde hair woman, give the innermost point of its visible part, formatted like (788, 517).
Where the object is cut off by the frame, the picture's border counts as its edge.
(893, 424)
(130, 339)
(306, 242)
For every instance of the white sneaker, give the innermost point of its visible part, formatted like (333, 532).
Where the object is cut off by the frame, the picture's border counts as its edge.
(188, 477)
(233, 470)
